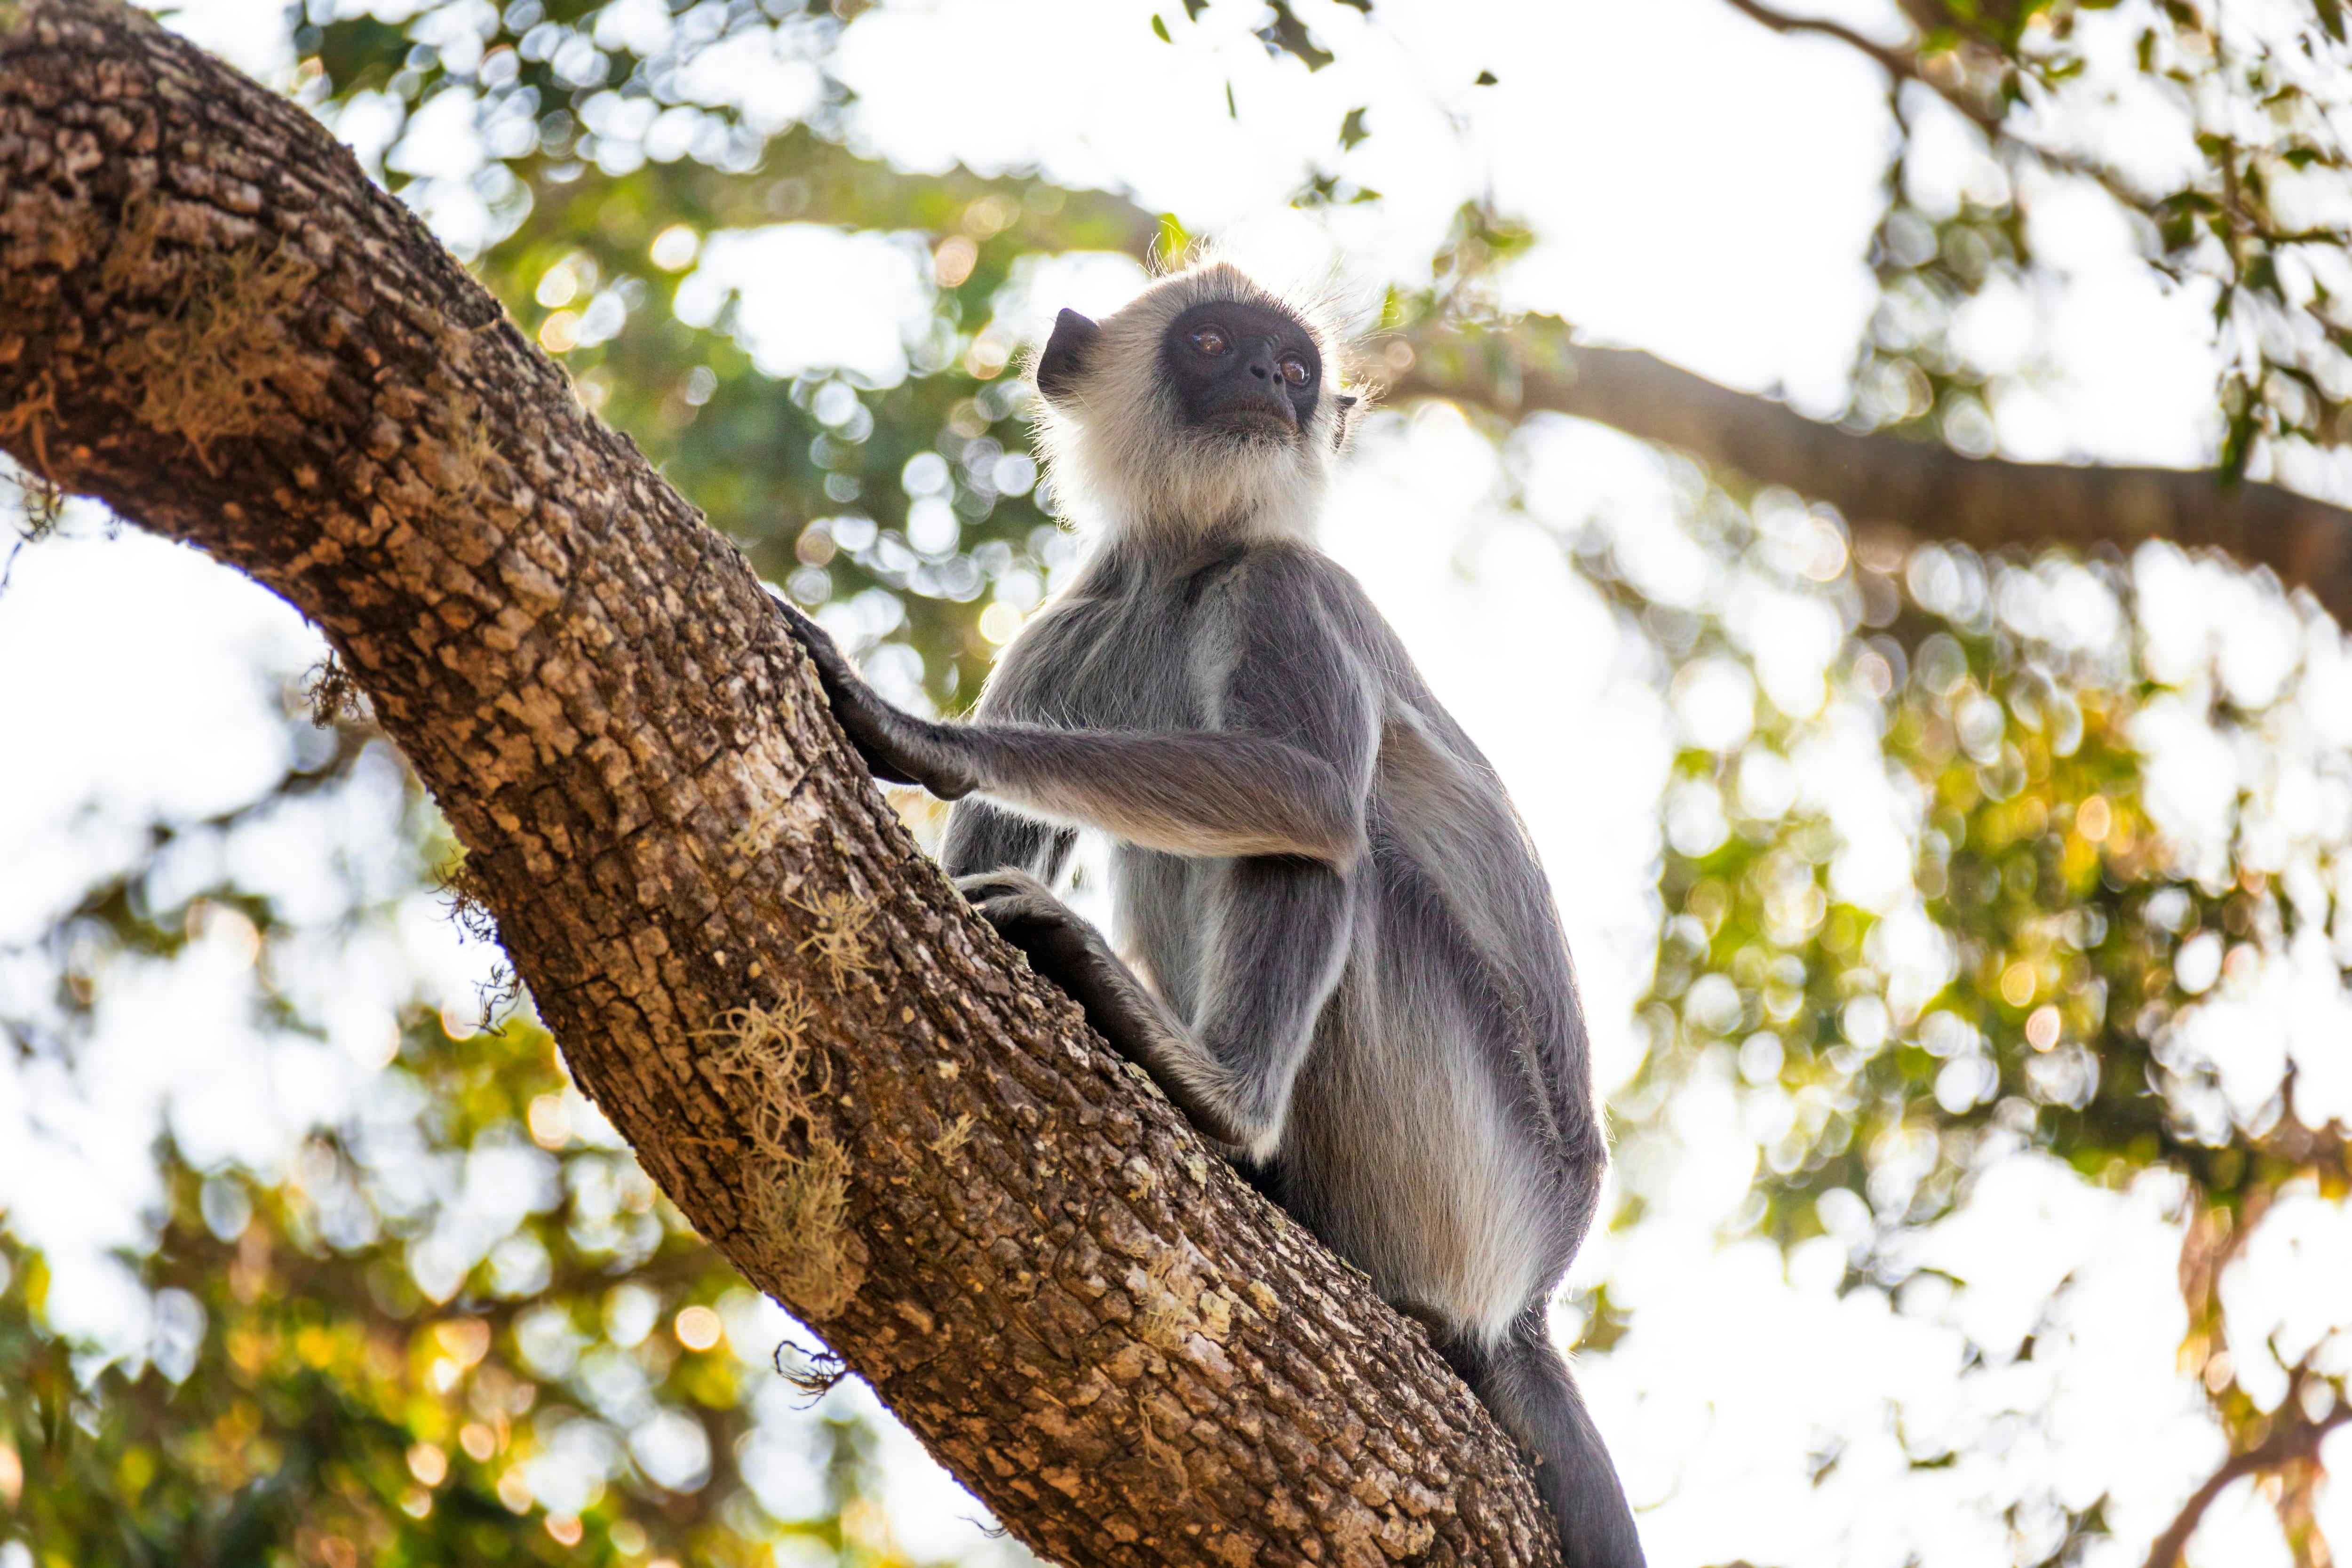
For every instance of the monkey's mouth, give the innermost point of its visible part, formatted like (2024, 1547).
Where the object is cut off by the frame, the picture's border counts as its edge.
(1256, 419)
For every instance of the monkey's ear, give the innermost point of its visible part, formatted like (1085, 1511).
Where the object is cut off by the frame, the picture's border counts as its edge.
(1341, 426)
(1059, 366)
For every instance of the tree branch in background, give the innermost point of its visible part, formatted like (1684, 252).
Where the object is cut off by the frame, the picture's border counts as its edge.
(2295, 1440)
(1929, 491)
(210, 320)
(1893, 62)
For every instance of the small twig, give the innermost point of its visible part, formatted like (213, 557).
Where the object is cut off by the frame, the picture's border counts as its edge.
(1889, 60)
(1902, 67)
(818, 1377)
(44, 504)
(26, 419)
(2298, 1440)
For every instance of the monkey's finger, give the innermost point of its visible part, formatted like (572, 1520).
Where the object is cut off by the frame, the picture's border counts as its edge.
(802, 625)
(847, 696)
(832, 664)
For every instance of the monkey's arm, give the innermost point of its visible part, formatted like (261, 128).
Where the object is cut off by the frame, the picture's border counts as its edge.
(1242, 790)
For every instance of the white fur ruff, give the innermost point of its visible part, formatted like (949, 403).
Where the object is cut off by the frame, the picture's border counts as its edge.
(1122, 461)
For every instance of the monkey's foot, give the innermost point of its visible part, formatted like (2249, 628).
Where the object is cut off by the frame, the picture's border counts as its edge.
(1026, 913)
(1062, 947)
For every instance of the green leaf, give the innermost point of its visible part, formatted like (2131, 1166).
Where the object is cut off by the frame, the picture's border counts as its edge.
(1287, 35)
(361, 52)
(2238, 446)
(1159, 30)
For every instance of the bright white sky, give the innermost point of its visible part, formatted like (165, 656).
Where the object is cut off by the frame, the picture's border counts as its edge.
(1700, 188)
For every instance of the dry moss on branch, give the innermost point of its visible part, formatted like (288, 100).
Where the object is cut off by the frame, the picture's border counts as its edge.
(839, 940)
(957, 1134)
(749, 840)
(799, 1182)
(1161, 1321)
(31, 417)
(468, 454)
(201, 363)
(469, 900)
(335, 698)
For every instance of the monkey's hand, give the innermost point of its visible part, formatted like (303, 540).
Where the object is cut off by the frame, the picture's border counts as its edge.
(1065, 948)
(895, 745)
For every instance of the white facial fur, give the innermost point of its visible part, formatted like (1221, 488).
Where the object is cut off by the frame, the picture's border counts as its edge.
(1122, 458)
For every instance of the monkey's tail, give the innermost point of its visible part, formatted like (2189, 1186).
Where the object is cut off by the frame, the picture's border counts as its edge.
(1526, 1384)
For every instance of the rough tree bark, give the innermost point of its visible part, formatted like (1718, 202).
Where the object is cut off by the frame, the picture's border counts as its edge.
(1929, 490)
(211, 321)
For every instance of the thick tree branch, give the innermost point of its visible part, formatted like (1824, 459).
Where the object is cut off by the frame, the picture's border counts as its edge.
(1929, 490)
(210, 320)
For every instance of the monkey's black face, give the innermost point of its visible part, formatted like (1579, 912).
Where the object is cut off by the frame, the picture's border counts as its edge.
(1241, 370)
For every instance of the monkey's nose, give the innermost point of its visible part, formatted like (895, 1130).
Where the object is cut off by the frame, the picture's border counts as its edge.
(1261, 364)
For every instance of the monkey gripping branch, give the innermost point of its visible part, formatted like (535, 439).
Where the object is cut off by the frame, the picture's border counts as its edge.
(211, 321)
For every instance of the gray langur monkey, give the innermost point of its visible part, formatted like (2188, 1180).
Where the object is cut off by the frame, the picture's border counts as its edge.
(1352, 974)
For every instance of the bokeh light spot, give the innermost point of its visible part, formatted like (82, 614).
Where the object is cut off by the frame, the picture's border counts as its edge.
(550, 1128)
(699, 1328)
(674, 248)
(428, 1464)
(1000, 623)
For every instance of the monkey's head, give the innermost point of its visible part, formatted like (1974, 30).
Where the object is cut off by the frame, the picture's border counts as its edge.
(1209, 401)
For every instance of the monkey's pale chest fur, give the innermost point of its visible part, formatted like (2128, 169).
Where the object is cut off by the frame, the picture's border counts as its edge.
(1437, 1122)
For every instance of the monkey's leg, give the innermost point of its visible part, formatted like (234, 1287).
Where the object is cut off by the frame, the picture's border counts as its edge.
(1277, 953)
(985, 837)
(1527, 1385)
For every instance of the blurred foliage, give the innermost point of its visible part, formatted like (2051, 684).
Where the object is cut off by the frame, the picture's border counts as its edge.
(321, 1390)
(2242, 209)
(2036, 984)
(604, 178)
(343, 1369)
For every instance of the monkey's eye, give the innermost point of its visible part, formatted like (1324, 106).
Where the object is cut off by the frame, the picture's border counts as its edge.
(1209, 340)
(1295, 371)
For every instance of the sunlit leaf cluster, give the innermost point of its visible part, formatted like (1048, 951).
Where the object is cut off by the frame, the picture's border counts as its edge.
(2216, 132)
